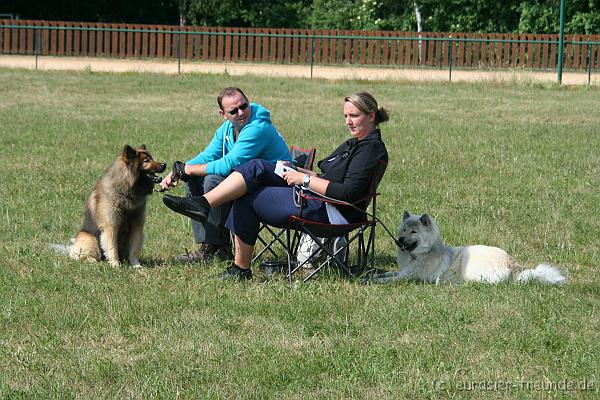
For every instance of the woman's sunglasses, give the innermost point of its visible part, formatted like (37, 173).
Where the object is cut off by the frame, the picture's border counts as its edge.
(237, 109)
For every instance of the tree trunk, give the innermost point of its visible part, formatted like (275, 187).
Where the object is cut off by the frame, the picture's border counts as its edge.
(418, 15)
(419, 27)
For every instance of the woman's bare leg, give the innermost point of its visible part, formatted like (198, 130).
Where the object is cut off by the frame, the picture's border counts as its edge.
(243, 253)
(233, 187)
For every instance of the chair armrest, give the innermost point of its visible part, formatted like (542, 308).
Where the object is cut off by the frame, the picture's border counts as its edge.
(339, 202)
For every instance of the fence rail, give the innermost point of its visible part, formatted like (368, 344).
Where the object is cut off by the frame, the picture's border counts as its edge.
(297, 46)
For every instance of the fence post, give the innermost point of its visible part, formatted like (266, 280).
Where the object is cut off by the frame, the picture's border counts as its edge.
(590, 63)
(179, 51)
(561, 36)
(450, 60)
(36, 41)
(312, 54)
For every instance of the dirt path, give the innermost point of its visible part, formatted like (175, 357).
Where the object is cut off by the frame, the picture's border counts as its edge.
(303, 71)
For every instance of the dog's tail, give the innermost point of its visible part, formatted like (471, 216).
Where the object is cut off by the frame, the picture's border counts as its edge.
(544, 273)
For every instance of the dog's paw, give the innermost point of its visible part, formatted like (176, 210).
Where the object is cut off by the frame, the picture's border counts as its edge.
(114, 263)
(366, 280)
(135, 264)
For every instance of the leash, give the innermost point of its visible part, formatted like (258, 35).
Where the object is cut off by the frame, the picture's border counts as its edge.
(177, 174)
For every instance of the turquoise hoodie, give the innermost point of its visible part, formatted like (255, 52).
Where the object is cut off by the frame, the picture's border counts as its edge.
(257, 139)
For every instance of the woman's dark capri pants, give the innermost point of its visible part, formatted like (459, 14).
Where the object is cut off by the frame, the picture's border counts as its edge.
(270, 200)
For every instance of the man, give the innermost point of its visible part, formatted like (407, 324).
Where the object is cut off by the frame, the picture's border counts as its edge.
(246, 134)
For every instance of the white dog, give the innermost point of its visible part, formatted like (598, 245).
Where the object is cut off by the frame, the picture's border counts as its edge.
(422, 256)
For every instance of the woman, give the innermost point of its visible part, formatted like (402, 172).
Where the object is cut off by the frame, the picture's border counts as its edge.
(262, 196)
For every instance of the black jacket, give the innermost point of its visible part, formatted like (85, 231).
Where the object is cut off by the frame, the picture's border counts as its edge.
(350, 169)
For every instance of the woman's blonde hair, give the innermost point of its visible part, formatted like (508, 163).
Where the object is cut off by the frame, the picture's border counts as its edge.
(366, 103)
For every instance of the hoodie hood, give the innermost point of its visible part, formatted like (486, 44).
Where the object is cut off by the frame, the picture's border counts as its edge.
(259, 113)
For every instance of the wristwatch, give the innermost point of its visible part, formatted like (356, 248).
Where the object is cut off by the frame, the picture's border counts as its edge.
(306, 181)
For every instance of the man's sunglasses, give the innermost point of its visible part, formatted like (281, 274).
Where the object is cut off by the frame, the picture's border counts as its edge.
(237, 109)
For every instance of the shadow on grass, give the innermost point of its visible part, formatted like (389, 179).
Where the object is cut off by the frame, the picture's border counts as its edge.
(329, 271)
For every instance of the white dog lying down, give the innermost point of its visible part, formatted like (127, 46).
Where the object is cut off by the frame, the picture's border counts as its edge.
(422, 256)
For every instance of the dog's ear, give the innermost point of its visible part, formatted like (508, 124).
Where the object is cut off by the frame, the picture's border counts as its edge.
(425, 220)
(143, 147)
(129, 152)
(405, 215)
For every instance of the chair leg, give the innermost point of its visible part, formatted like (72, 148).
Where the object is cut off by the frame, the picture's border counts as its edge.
(276, 237)
(340, 256)
(330, 256)
(371, 247)
(289, 254)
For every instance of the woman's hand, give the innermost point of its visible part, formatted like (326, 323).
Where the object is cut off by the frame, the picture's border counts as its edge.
(317, 185)
(293, 177)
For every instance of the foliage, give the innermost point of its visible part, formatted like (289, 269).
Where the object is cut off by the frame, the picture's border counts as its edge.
(583, 16)
(544, 16)
(469, 15)
(241, 13)
(147, 11)
(539, 16)
(509, 16)
(344, 14)
(331, 14)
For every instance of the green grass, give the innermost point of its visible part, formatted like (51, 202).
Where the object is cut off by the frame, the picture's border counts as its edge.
(505, 165)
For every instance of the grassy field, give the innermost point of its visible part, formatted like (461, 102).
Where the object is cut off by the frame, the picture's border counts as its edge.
(505, 165)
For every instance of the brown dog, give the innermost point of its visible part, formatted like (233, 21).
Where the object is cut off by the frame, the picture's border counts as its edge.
(115, 211)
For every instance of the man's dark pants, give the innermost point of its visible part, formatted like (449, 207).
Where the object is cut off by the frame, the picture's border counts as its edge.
(211, 231)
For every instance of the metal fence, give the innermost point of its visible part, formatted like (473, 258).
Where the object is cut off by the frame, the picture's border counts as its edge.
(296, 46)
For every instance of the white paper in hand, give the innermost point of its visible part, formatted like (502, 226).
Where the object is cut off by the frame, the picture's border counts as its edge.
(283, 166)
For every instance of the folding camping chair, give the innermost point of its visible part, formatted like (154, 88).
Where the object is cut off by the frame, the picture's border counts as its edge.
(353, 232)
(303, 158)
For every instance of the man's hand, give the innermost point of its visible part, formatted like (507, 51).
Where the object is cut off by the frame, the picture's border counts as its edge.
(173, 178)
(168, 182)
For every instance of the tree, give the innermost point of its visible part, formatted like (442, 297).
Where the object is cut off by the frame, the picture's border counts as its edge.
(507, 16)
(246, 13)
(344, 14)
(583, 17)
(418, 17)
(542, 16)
(136, 11)
(539, 16)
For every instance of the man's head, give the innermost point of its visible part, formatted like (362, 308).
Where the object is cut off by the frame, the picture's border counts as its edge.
(234, 106)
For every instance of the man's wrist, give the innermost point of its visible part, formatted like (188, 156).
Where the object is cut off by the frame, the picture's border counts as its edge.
(195, 169)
